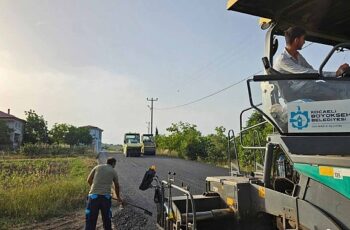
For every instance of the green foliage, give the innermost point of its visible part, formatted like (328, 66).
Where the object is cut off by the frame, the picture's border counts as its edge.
(217, 146)
(253, 137)
(76, 136)
(5, 132)
(187, 142)
(58, 133)
(53, 150)
(35, 130)
(69, 134)
(37, 189)
(112, 148)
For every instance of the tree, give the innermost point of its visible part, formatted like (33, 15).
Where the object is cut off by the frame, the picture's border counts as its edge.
(186, 140)
(71, 137)
(76, 136)
(35, 130)
(217, 145)
(58, 133)
(5, 132)
(254, 137)
(84, 136)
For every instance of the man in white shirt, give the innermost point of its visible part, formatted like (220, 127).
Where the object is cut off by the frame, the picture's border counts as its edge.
(291, 61)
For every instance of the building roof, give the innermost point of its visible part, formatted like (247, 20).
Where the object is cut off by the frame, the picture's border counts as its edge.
(91, 127)
(6, 116)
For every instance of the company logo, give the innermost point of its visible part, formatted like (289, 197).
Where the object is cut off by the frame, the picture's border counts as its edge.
(299, 119)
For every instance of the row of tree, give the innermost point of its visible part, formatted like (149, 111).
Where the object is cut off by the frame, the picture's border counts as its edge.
(186, 141)
(36, 131)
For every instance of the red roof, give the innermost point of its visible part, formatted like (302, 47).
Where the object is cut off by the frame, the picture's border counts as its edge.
(7, 116)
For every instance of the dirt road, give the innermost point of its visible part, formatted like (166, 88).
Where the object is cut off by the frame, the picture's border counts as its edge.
(131, 172)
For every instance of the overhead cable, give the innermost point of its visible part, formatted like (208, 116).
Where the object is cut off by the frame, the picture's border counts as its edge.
(218, 60)
(209, 95)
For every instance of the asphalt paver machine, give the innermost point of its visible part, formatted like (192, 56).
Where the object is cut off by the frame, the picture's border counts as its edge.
(305, 181)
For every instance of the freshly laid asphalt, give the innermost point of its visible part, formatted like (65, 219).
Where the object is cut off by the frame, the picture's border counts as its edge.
(131, 171)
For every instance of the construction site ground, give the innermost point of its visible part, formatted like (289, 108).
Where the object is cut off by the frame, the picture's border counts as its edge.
(131, 171)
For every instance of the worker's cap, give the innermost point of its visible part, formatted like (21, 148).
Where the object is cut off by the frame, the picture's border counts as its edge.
(153, 167)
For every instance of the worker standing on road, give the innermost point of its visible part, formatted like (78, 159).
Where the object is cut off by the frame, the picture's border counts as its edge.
(101, 179)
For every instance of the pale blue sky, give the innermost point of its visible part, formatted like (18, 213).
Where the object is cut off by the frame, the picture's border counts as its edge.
(96, 62)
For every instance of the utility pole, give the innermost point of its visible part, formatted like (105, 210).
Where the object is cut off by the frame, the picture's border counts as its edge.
(152, 100)
(148, 125)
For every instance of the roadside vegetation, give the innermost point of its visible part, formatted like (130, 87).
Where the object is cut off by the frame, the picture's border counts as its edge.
(185, 141)
(112, 147)
(46, 176)
(38, 137)
(36, 189)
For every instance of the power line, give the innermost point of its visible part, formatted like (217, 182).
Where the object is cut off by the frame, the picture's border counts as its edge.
(209, 95)
(226, 56)
(219, 91)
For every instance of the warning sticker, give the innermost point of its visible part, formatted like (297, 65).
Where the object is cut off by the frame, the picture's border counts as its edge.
(326, 171)
(339, 173)
(336, 173)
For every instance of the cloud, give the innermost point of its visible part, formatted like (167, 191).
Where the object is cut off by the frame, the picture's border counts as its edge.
(84, 96)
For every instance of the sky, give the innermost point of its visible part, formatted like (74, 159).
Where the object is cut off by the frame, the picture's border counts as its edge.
(85, 62)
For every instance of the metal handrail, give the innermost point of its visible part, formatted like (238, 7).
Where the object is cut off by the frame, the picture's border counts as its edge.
(188, 194)
(243, 130)
(231, 136)
(256, 136)
(258, 109)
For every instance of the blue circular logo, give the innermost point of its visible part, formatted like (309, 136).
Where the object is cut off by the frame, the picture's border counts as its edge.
(299, 119)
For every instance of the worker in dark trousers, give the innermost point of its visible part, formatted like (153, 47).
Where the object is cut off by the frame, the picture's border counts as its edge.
(101, 179)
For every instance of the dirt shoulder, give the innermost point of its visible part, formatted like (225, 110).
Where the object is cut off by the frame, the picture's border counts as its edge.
(130, 172)
(127, 218)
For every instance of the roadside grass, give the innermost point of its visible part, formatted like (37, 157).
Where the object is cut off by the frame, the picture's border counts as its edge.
(36, 189)
(167, 153)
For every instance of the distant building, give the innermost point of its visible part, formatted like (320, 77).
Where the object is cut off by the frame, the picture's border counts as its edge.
(96, 134)
(17, 128)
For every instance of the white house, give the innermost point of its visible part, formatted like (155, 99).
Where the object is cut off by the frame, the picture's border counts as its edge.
(96, 134)
(17, 128)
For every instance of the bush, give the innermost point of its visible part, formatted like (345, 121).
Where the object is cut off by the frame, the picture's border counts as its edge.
(54, 150)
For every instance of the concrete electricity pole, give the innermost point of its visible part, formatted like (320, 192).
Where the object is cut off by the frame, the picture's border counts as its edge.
(152, 100)
(148, 125)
